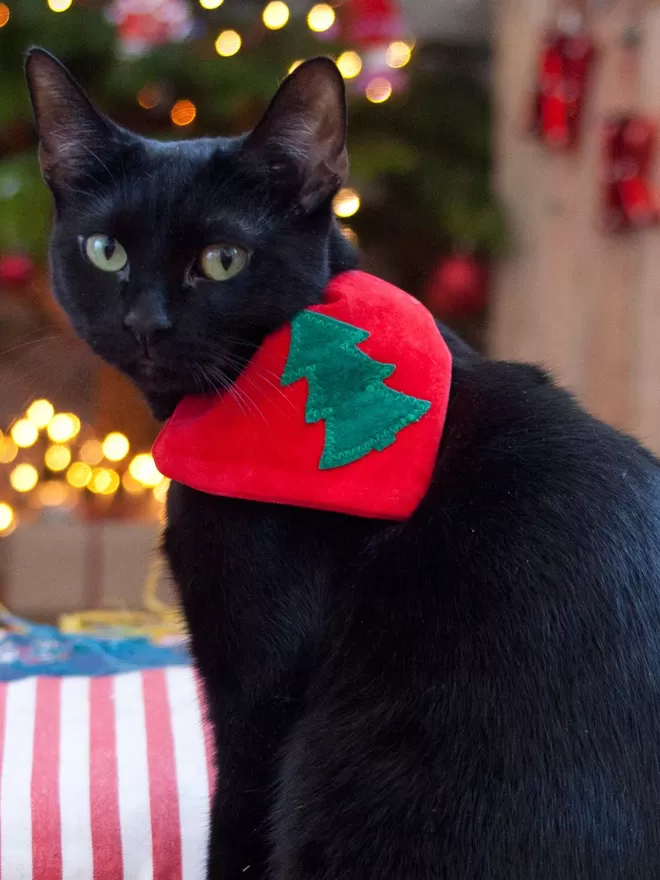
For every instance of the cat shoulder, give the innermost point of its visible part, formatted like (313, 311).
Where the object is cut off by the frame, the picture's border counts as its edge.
(514, 435)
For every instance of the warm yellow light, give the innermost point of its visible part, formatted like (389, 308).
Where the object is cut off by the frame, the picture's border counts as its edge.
(8, 450)
(148, 96)
(59, 5)
(350, 235)
(4, 14)
(294, 65)
(346, 202)
(211, 4)
(320, 17)
(91, 452)
(398, 54)
(275, 15)
(183, 112)
(79, 475)
(57, 457)
(113, 484)
(24, 433)
(144, 470)
(130, 484)
(6, 517)
(160, 491)
(53, 493)
(228, 43)
(349, 64)
(40, 413)
(104, 481)
(63, 427)
(24, 478)
(379, 90)
(116, 446)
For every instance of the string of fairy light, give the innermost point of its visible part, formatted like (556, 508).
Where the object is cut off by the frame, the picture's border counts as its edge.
(54, 461)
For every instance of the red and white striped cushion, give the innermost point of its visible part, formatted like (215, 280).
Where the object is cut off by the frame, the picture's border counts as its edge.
(104, 778)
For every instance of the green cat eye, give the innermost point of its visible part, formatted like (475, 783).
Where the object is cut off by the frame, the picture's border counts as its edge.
(105, 253)
(220, 262)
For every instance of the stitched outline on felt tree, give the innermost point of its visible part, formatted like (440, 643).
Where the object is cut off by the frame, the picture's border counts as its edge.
(346, 389)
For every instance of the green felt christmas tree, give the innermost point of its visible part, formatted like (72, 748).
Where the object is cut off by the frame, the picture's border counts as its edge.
(346, 389)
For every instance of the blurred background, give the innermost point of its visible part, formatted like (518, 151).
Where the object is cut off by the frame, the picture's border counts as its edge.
(503, 170)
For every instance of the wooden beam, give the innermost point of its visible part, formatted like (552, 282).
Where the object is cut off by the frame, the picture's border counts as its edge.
(583, 302)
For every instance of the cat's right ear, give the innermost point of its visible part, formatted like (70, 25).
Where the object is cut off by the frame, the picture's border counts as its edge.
(72, 133)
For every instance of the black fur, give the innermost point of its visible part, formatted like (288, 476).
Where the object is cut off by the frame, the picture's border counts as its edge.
(471, 695)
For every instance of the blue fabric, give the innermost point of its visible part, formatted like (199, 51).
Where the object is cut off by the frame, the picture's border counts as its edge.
(34, 649)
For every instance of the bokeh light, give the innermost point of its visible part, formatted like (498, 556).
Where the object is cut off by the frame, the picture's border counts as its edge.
(104, 481)
(91, 452)
(8, 450)
(6, 517)
(63, 427)
(24, 477)
(320, 18)
(4, 14)
(59, 5)
(275, 15)
(53, 493)
(144, 470)
(24, 433)
(183, 112)
(211, 4)
(398, 54)
(378, 90)
(228, 43)
(350, 235)
(116, 446)
(58, 457)
(148, 96)
(79, 475)
(346, 203)
(40, 412)
(349, 64)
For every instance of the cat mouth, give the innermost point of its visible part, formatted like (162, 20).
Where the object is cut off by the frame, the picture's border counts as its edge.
(150, 375)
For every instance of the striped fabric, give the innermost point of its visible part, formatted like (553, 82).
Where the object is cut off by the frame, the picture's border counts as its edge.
(104, 778)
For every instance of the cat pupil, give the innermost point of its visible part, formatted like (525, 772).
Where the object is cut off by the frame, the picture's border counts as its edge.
(226, 258)
(109, 249)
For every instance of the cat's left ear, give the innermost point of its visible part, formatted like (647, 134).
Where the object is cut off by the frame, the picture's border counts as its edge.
(73, 135)
(304, 128)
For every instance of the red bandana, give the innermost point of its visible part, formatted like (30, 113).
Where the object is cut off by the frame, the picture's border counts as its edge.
(341, 410)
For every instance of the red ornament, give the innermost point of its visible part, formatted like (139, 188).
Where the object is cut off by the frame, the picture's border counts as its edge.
(457, 286)
(565, 64)
(272, 451)
(15, 270)
(369, 23)
(627, 148)
(143, 24)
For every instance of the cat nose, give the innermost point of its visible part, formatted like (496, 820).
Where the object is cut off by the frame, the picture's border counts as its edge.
(146, 322)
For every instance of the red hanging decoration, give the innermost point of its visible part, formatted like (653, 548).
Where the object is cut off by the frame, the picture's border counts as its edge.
(457, 287)
(627, 149)
(370, 23)
(16, 270)
(565, 64)
(144, 24)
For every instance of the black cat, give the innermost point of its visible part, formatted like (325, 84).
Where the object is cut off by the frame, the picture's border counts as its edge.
(473, 694)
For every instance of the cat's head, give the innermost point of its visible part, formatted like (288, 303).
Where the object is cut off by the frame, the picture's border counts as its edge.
(174, 259)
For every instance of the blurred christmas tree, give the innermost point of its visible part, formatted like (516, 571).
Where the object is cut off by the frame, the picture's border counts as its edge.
(419, 131)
